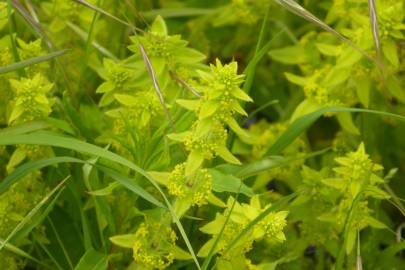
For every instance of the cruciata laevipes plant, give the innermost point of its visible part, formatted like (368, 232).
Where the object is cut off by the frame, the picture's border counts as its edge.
(140, 149)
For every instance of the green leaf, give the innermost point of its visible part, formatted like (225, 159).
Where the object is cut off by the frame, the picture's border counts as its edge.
(363, 86)
(389, 48)
(194, 161)
(105, 87)
(124, 240)
(31, 61)
(92, 260)
(274, 207)
(32, 213)
(305, 107)
(302, 81)
(126, 100)
(108, 190)
(346, 121)
(159, 26)
(240, 94)
(228, 183)
(16, 158)
(177, 12)
(395, 88)
(375, 223)
(351, 240)
(226, 155)
(337, 76)
(51, 139)
(178, 137)
(292, 55)
(327, 49)
(301, 124)
(189, 56)
(299, 10)
(179, 253)
(190, 105)
(160, 177)
(207, 109)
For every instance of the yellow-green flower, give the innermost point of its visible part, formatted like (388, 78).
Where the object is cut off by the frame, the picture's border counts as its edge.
(194, 188)
(30, 99)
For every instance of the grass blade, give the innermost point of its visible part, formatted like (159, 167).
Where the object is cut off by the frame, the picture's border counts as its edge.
(301, 124)
(374, 28)
(52, 139)
(83, 35)
(212, 250)
(92, 260)
(298, 10)
(152, 75)
(105, 13)
(33, 211)
(274, 207)
(271, 162)
(32, 23)
(31, 61)
(26, 168)
(177, 12)
(13, 249)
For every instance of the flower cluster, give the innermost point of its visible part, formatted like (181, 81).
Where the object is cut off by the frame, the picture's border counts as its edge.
(247, 12)
(215, 111)
(271, 228)
(167, 52)
(356, 180)
(117, 79)
(30, 99)
(152, 245)
(194, 188)
(356, 169)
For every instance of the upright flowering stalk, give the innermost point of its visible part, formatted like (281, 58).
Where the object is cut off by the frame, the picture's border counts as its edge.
(215, 113)
(271, 228)
(153, 244)
(357, 181)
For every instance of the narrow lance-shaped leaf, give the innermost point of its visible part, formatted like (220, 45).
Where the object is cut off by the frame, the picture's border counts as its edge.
(51, 139)
(297, 9)
(31, 61)
(35, 210)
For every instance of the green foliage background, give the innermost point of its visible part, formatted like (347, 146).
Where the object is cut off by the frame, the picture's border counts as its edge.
(234, 134)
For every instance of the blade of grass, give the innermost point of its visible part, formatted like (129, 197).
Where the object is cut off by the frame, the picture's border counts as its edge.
(29, 167)
(298, 10)
(52, 258)
(25, 128)
(271, 162)
(19, 252)
(92, 260)
(38, 219)
(359, 264)
(105, 13)
(208, 259)
(90, 34)
(374, 29)
(32, 61)
(177, 12)
(11, 30)
(32, 23)
(60, 242)
(302, 123)
(261, 108)
(33, 211)
(156, 86)
(52, 139)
